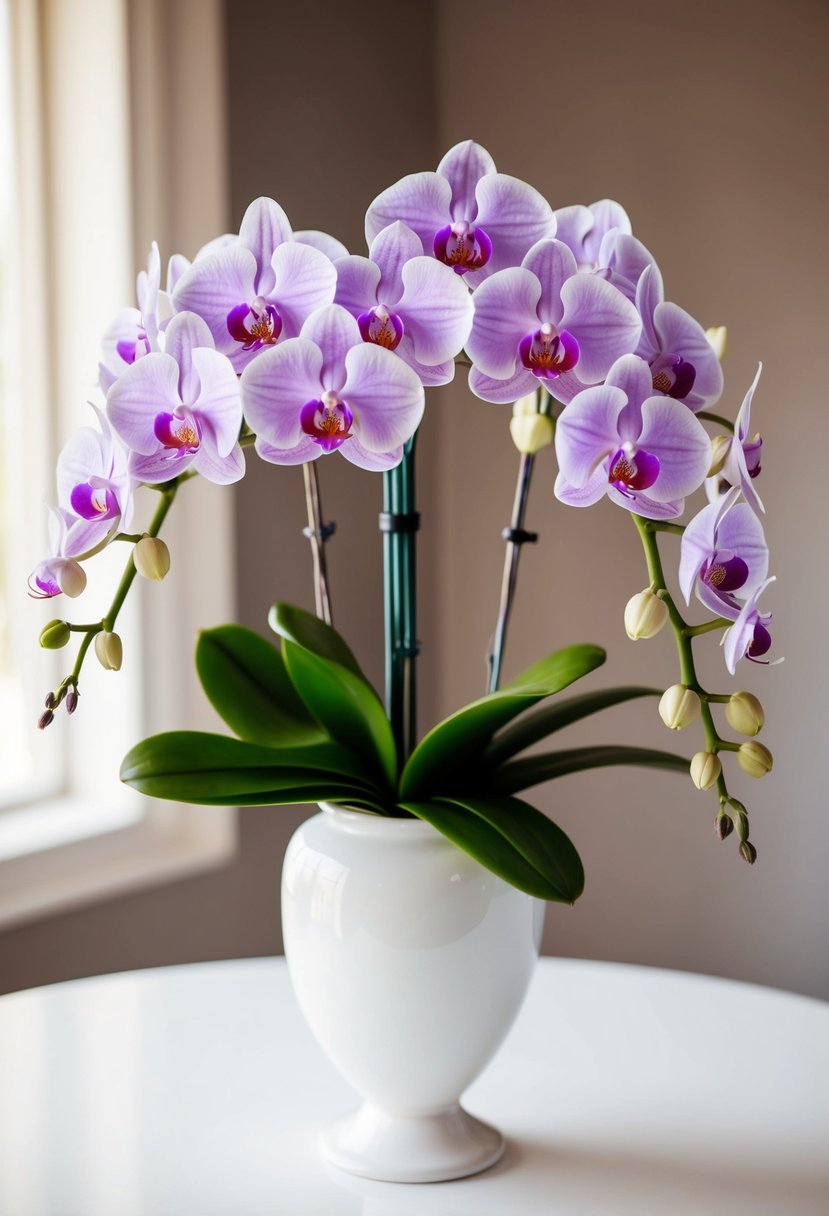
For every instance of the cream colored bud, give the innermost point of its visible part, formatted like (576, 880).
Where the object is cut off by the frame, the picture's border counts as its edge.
(531, 432)
(72, 578)
(720, 447)
(744, 713)
(754, 759)
(526, 405)
(718, 337)
(151, 557)
(679, 706)
(645, 615)
(705, 770)
(109, 650)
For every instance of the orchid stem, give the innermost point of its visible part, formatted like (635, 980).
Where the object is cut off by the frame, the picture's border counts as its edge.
(318, 533)
(515, 537)
(719, 622)
(718, 419)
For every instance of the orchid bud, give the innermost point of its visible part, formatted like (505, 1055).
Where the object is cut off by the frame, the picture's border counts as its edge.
(748, 852)
(754, 759)
(645, 615)
(720, 447)
(51, 701)
(679, 706)
(723, 826)
(532, 432)
(151, 557)
(705, 769)
(72, 701)
(718, 338)
(45, 719)
(54, 635)
(72, 578)
(744, 713)
(108, 650)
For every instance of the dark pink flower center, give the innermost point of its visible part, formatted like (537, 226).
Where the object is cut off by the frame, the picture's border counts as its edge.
(180, 432)
(547, 352)
(94, 502)
(462, 246)
(632, 469)
(381, 327)
(725, 572)
(673, 376)
(254, 325)
(760, 642)
(131, 350)
(327, 421)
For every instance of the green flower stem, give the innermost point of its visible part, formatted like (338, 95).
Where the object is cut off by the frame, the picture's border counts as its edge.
(718, 419)
(658, 525)
(719, 622)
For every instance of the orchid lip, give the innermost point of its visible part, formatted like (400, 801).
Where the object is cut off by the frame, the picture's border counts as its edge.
(462, 246)
(254, 325)
(632, 469)
(181, 433)
(673, 376)
(725, 572)
(381, 327)
(43, 589)
(547, 353)
(327, 421)
(94, 503)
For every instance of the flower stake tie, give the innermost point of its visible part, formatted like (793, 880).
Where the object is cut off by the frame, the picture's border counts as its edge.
(286, 345)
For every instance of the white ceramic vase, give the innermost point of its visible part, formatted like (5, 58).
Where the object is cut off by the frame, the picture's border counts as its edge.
(410, 962)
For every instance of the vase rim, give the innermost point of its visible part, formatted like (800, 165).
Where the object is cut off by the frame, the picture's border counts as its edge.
(365, 823)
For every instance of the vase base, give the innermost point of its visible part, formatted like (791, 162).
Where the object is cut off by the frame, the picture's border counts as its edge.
(419, 1148)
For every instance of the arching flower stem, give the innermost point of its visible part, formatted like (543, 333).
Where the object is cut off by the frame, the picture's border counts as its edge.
(718, 419)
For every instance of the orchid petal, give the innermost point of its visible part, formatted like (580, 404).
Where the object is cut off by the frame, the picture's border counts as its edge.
(86, 534)
(384, 395)
(633, 376)
(391, 249)
(213, 286)
(335, 332)
(219, 401)
(436, 309)
(505, 311)
(185, 332)
(682, 445)
(421, 200)
(221, 468)
(463, 167)
(502, 392)
(644, 505)
(742, 533)
(649, 295)
(429, 375)
(375, 462)
(300, 453)
(161, 465)
(305, 281)
(553, 264)
(699, 541)
(329, 245)
(605, 324)
(581, 496)
(358, 280)
(737, 639)
(514, 216)
(147, 388)
(680, 334)
(582, 229)
(277, 385)
(587, 432)
(264, 228)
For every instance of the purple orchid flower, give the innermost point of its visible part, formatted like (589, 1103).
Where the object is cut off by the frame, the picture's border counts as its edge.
(330, 391)
(583, 229)
(539, 321)
(57, 574)
(740, 456)
(134, 332)
(749, 636)
(95, 488)
(258, 289)
(643, 451)
(723, 551)
(407, 303)
(683, 362)
(180, 407)
(466, 214)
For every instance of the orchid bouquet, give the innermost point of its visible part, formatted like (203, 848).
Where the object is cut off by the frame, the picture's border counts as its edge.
(284, 342)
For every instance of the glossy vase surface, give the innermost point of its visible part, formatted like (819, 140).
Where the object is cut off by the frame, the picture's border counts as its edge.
(410, 961)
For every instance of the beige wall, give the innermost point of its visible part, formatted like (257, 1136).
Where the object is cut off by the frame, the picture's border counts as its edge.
(707, 122)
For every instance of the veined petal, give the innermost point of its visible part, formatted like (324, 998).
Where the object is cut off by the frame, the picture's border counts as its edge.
(161, 465)
(276, 386)
(86, 534)
(185, 332)
(642, 504)
(633, 376)
(502, 392)
(553, 264)
(436, 310)
(742, 533)
(329, 245)
(384, 395)
(679, 440)
(428, 375)
(514, 216)
(357, 282)
(304, 280)
(680, 334)
(587, 432)
(147, 388)
(222, 469)
(214, 285)
(375, 462)
(421, 200)
(264, 228)
(605, 324)
(626, 260)
(219, 400)
(334, 330)
(82, 455)
(505, 311)
(649, 295)
(300, 453)
(391, 249)
(581, 496)
(463, 167)
(698, 543)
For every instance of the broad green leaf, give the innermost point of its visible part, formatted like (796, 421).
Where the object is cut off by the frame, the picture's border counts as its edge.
(245, 680)
(192, 766)
(549, 718)
(308, 631)
(444, 751)
(521, 774)
(346, 707)
(512, 839)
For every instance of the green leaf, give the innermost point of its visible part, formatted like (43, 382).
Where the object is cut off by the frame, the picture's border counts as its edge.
(444, 751)
(521, 774)
(550, 718)
(513, 840)
(192, 766)
(245, 680)
(345, 706)
(308, 631)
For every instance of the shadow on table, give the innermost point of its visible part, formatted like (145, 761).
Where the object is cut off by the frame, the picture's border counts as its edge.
(537, 1178)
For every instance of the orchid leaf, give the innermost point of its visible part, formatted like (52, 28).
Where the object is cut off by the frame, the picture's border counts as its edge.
(245, 680)
(549, 718)
(513, 840)
(444, 751)
(345, 706)
(194, 766)
(521, 774)
(308, 631)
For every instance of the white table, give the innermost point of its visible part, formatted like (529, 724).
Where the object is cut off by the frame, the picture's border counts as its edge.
(198, 1091)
